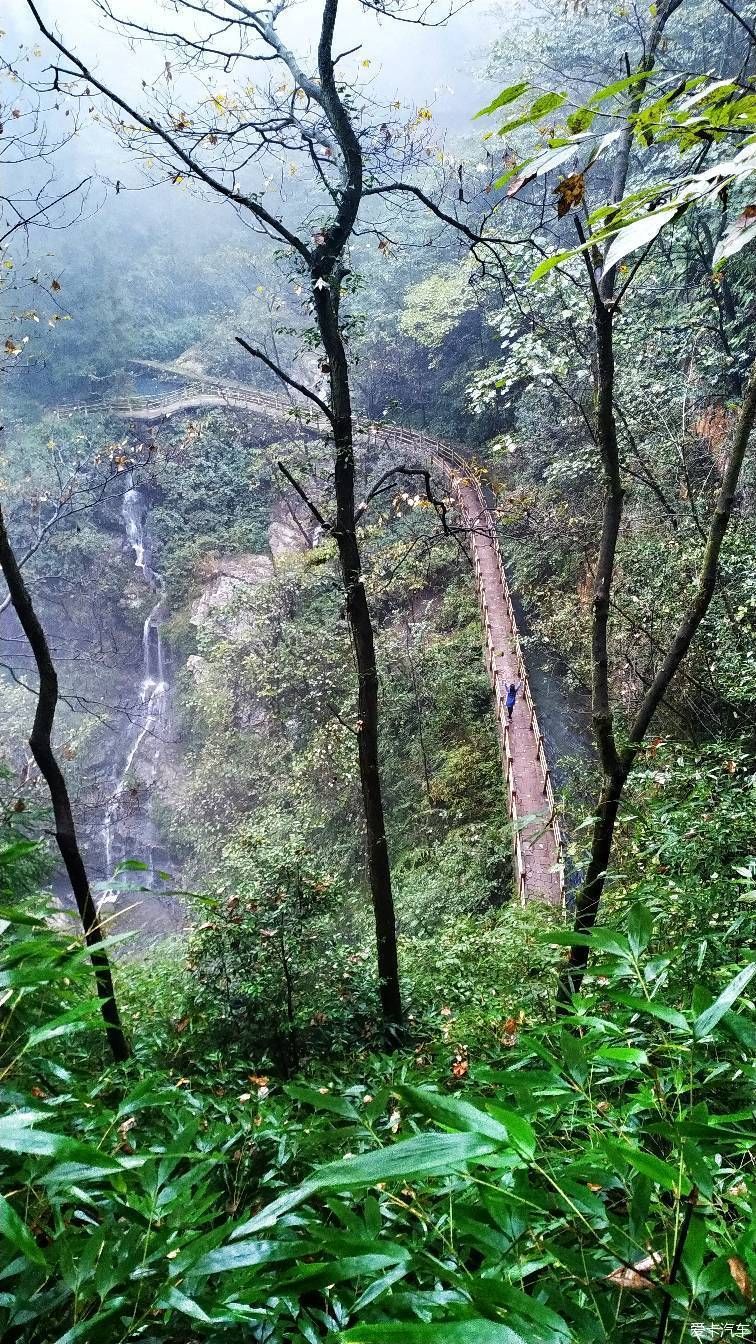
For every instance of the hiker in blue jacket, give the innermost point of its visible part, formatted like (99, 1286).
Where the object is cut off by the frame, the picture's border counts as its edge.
(512, 696)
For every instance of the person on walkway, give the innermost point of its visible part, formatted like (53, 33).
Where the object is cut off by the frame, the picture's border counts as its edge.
(512, 696)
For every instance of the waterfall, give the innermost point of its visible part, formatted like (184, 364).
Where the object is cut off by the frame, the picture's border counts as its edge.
(150, 721)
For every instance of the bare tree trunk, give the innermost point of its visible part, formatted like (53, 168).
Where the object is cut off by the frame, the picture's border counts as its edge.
(327, 273)
(40, 742)
(358, 614)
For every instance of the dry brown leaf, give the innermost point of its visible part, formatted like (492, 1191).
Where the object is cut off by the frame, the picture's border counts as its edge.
(740, 1275)
(570, 192)
(635, 1278)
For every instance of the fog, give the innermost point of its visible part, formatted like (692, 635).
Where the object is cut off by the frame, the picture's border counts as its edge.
(127, 216)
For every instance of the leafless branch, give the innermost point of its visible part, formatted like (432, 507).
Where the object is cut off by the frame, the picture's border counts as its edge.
(286, 378)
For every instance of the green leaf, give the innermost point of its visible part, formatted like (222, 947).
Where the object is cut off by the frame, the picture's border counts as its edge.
(78, 1019)
(17, 1135)
(268, 1216)
(639, 929)
(180, 1302)
(508, 95)
(603, 940)
(549, 263)
(380, 1286)
(90, 1327)
(424, 1155)
(243, 1254)
(622, 1055)
(13, 916)
(322, 1101)
(548, 103)
(480, 1331)
(15, 1229)
(662, 1173)
(580, 120)
(451, 1111)
(653, 1009)
(318, 1274)
(716, 1011)
(619, 86)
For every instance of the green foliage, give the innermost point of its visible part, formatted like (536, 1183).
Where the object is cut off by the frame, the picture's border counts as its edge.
(258, 957)
(433, 307)
(211, 494)
(24, 860)
(688, 855)
(256, 1172)
(558, 1182)
(475, 974)
(576, 1190)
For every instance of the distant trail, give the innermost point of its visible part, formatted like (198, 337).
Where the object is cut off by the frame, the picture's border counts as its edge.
(537, 840)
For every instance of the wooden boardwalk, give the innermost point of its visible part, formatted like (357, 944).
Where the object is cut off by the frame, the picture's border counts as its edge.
(537, 834)
(537, 839)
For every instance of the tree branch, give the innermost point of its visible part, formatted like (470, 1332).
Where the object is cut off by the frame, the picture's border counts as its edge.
(739, 17)
(317, 515)
(285, 378)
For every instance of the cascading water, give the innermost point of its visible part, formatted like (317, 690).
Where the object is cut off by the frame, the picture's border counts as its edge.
(150, 722)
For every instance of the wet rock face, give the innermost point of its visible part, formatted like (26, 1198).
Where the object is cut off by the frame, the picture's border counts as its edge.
(227, 579)
(291, 529)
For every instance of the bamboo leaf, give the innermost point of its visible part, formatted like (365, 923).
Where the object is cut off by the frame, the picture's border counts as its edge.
(716, 1011)
(457, 1114)
(479, 1331)
(16, 1231)
(662, 1173)
(322, 1101)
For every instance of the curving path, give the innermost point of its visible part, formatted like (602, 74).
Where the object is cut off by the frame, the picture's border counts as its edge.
(537, 840)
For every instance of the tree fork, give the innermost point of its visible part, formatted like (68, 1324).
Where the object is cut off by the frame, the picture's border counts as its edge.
(40, 742)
